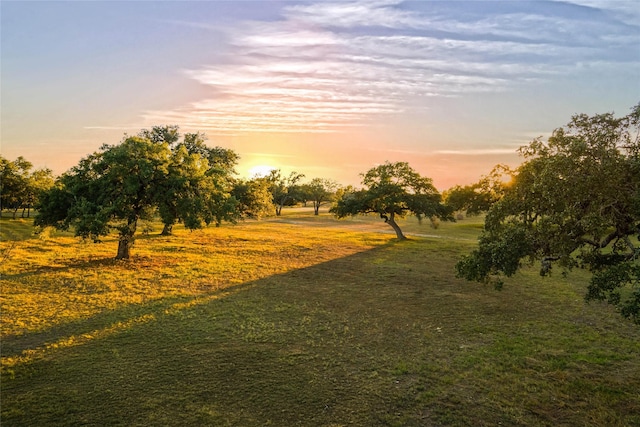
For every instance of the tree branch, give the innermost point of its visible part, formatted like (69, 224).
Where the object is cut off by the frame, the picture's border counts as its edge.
(604, 242)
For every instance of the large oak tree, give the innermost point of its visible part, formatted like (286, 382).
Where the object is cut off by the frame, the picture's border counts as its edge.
(121, 184)
(574, 202)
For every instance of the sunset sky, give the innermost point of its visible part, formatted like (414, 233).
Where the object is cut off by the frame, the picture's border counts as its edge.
(326, 88)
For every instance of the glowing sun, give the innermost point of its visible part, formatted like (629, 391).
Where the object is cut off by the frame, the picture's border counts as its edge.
(260, 171)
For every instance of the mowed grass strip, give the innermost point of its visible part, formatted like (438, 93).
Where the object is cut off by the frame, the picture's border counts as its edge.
(288, 323)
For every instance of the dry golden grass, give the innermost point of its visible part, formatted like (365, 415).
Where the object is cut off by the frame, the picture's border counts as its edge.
(49, 281)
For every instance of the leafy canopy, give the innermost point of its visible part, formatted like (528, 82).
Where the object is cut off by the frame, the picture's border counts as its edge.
(19, 186)
(254, 197)
(285, 190)
(198, 184)
(319, 191)
(477, 198)
(575, 202)
(393, 190)
(115, 187)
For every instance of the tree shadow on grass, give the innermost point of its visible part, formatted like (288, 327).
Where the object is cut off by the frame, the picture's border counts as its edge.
(205, 358)
(15, 345)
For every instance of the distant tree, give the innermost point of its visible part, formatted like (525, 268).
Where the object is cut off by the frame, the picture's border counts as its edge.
(574, 202)
(480, 196)
(284, 190)
(119, 185)
(319, 191)
(19, 186)
(460, 198)
(393, 190)
(13, 182)
(254, 198)
(38, 182)
(342, 191)
(303, 194)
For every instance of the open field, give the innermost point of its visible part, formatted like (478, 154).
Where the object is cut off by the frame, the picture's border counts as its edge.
(301, 321)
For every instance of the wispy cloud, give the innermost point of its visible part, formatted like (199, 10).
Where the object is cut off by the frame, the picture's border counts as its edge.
(626, 11)
(328, 66)
(478, 151)
(127, 127)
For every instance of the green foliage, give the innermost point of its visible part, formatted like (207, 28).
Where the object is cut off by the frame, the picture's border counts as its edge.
(198, 185)
(477, 198)
(285, 191)
(110, 189)
(609, 284)
(161, 134)
(121, 184)
(221, 160)
(319, 191)
(499, 252)
(254, 198)
(13, 182)
(19, 187)
(575, 200)
(393, 190)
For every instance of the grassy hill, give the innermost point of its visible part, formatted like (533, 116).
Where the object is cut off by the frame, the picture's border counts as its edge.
(301, 321)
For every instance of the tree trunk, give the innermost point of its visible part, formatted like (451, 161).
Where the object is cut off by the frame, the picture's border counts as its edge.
(167, 230)
(124, 248)
(278, 210)
(125, 242)
(391, 221)
(316, 208)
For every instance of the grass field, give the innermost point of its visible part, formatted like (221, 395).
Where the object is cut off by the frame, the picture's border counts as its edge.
(301, 321)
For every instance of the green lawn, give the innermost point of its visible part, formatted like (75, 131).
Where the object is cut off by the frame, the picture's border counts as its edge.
(302, 321)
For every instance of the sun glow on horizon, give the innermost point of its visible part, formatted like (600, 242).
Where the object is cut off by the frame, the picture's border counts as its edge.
(260, 171)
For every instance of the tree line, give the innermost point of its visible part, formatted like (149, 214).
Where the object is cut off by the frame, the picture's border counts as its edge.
(160, 173)
(574, 202)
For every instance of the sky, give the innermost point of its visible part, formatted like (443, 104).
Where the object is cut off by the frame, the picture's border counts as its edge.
(325, 88)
